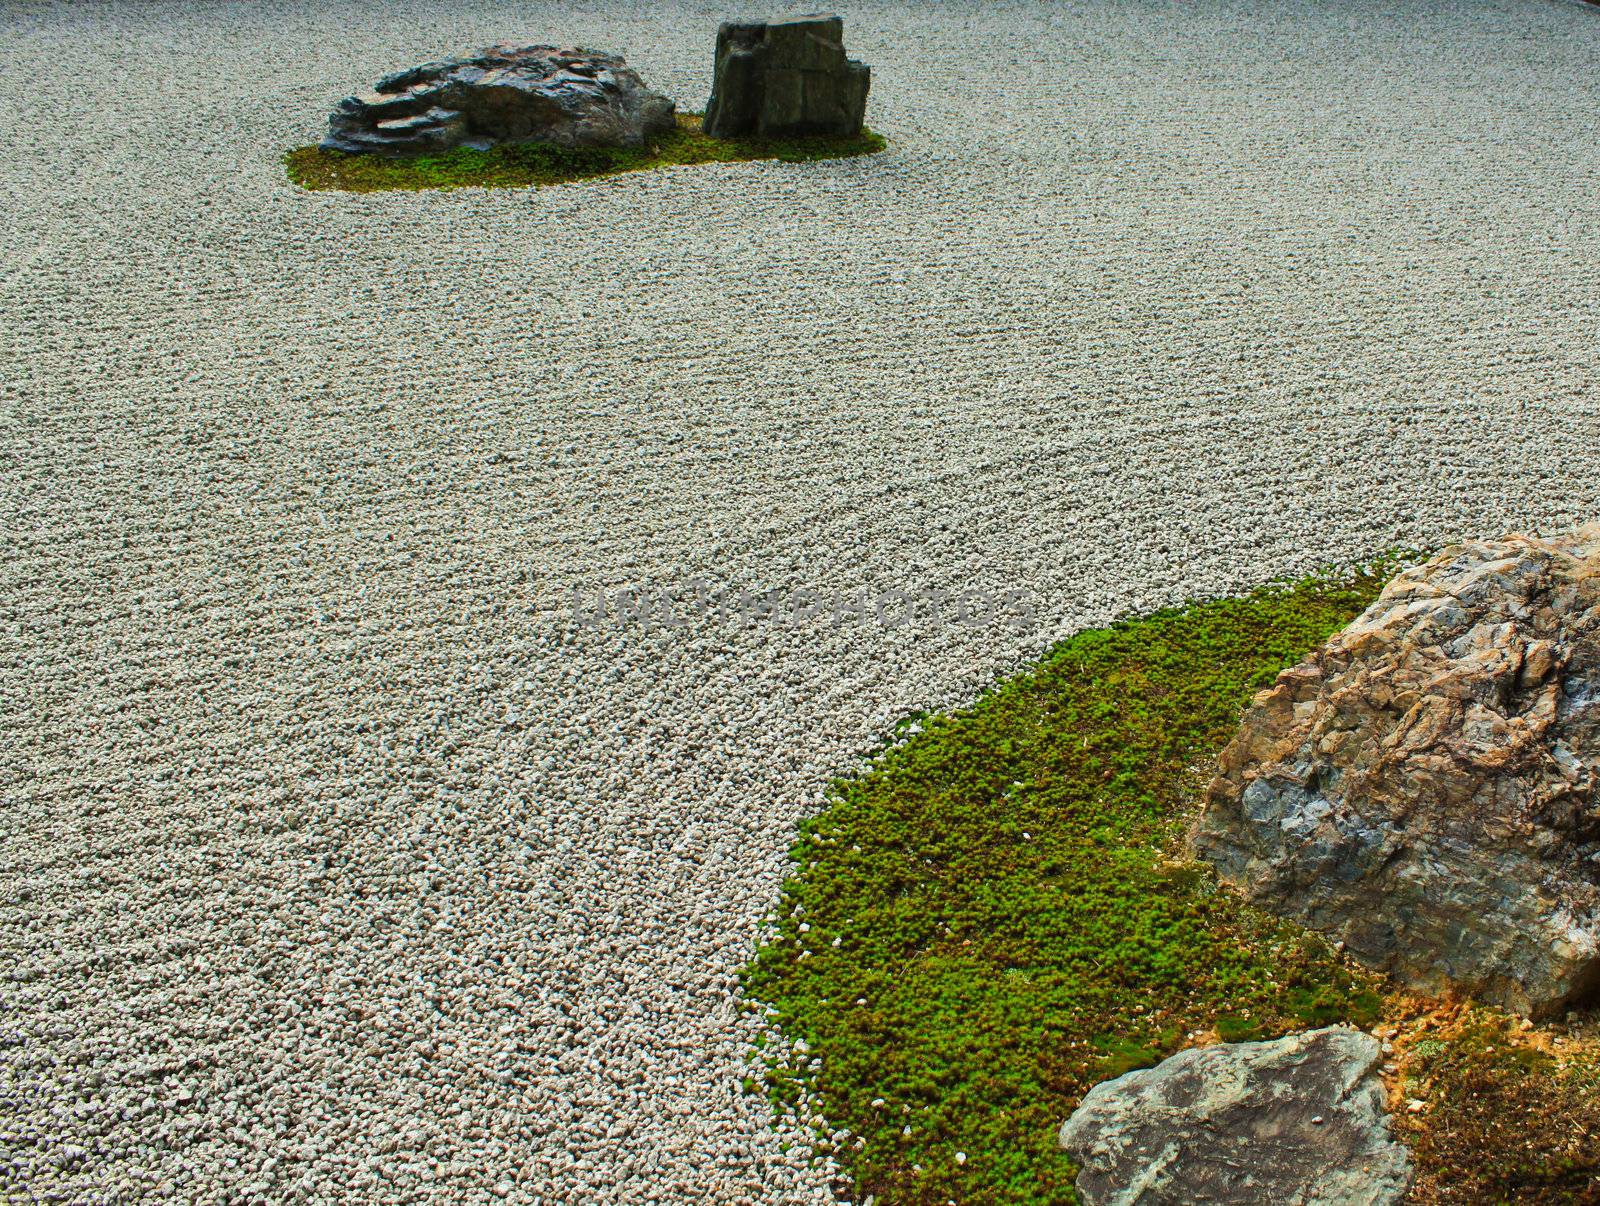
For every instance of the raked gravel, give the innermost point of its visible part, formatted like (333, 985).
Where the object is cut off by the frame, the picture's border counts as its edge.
(335, 863)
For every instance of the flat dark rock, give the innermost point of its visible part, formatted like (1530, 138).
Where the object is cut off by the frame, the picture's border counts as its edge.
(504, 93)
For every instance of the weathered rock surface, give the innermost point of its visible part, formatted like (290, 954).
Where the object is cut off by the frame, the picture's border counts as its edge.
(1300, 1121)
(785, 79)
(1424, 786)
(505, 93)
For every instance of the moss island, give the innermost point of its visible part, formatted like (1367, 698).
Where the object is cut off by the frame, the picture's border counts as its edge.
(534, 164)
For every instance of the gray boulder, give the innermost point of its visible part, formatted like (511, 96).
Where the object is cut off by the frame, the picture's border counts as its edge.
(1300, 1121)
(1426, 787)
(504, 93)
(786, 79)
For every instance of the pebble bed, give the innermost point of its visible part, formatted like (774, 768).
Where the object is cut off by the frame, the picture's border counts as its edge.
(338, 861)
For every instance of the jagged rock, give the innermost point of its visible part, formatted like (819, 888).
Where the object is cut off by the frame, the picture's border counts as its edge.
(1423, 787)
(1300, 1121)
(786, 79)
(504, 93)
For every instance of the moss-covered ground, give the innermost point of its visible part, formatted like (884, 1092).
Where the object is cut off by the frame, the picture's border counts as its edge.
(997, 914)
(1495, 1111)
(536, 163)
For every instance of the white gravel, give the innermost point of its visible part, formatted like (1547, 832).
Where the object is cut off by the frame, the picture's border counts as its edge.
(334, 865)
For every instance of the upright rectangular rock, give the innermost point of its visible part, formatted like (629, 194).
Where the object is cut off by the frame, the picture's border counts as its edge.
(786, 79)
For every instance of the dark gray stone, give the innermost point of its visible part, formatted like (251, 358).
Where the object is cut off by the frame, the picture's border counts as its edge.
(1299, 1120)
(1426, 786)
(504, 93)
(786, 79)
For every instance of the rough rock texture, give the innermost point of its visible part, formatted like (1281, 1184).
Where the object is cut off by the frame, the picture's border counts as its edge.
(1299, 1121)
(782, 79)
(1423, 787)
(505, 93)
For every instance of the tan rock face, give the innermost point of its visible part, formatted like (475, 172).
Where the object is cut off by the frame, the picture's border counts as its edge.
(1425, 786)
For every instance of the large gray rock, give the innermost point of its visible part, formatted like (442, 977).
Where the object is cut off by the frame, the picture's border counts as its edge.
(1423, 787)
(1300, 1121)
(786, 79)
(505, 93)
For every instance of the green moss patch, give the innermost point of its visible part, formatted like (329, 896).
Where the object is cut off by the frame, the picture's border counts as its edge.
(537, 163)
(992, 919)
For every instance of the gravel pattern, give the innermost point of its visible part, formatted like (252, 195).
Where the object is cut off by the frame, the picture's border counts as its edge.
(336, 863)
